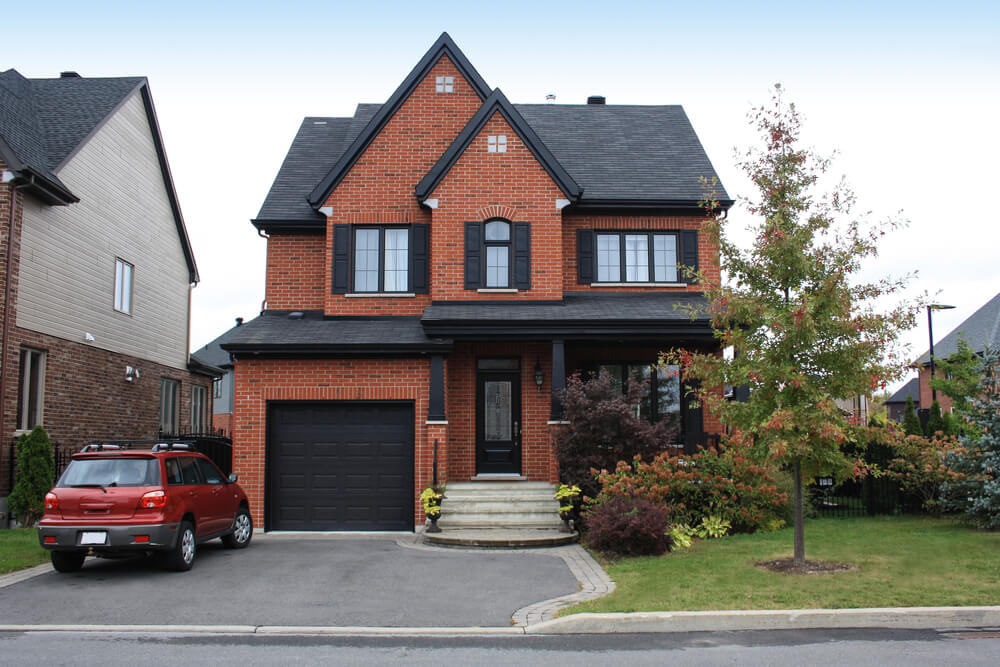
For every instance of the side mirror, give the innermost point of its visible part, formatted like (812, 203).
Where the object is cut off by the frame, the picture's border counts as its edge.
(232, 478)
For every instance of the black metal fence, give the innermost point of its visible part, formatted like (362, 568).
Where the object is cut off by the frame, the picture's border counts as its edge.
(870, 496)
(217, 447)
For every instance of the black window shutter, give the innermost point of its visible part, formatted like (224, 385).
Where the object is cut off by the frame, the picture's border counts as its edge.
(585, 256)
(689, 252)
(693, 416)
(473, 255)
(341, 258)
(419, 257)
(522, 255)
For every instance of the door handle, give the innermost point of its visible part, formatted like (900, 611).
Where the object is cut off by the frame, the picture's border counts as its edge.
(517, 430)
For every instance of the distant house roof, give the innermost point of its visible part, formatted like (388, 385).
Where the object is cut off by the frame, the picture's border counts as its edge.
(980, 330)
(212, 353)
(910, 389)
(44, 122)
(632, 155)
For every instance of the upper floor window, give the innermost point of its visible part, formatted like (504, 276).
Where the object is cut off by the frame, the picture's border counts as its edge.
(497, 240)
(30, 389)
(381, 259)
(497, 255)
(444, 84)
(123, 286)
(637, 257)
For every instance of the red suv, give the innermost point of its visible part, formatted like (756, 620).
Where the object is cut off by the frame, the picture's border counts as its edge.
(165, 500)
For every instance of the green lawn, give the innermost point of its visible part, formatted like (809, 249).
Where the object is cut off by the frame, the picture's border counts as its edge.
(19, 549)
(898, 561)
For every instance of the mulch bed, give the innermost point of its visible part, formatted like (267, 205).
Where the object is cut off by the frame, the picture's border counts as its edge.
(788, 566)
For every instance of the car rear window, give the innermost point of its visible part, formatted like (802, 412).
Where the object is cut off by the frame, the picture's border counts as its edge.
(111, 472)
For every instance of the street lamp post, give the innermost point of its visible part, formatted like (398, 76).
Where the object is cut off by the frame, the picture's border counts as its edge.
(930, 335)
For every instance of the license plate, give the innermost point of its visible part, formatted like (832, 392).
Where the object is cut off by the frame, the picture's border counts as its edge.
(93, 537)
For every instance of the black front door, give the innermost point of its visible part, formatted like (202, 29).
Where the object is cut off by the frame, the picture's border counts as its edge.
(498, 422)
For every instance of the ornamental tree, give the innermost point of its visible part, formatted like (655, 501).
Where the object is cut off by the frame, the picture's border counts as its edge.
(805, 328)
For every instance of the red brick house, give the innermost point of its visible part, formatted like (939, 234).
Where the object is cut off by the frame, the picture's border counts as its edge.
(96, 268)
(436, 266)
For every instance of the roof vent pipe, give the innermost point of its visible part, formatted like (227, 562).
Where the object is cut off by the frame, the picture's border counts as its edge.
(69, 75)
(239, 321)
(596, 99)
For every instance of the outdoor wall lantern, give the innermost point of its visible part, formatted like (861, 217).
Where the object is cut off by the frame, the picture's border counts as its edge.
(539, 377)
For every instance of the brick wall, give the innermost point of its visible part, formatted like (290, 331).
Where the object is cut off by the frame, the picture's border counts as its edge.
(261, 380)
(481, 185)
(925, 389)
(295, 272)
(379, 187)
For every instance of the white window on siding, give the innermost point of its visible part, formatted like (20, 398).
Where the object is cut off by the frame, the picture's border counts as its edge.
(198, 405)
(170, 391)
(31, 389)
(123, 286)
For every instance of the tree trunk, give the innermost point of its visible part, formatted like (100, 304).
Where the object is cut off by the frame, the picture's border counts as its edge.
(800, 537)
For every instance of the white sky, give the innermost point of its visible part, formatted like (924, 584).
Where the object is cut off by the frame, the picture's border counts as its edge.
(908, 93)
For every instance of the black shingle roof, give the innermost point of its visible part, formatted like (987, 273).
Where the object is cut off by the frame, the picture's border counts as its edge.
(213, 354)
(911, 388)
(980, 330)
(621, 306)
(276, 331)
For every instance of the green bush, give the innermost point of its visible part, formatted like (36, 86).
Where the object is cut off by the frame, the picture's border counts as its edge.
(726, 485)
(911, 422)
(35, 476)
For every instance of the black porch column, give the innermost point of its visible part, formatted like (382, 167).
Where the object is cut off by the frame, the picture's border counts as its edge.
(435, 404)
(558, 378)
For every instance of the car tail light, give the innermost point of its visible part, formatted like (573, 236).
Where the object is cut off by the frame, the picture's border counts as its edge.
(51, 502)
(49, 539)
(141, 539)
(153, 500)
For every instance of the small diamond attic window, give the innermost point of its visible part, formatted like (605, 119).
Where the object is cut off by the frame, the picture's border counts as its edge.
(497, 144)
(445, 84)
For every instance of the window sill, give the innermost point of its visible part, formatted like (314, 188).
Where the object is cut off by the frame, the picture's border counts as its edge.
(638, 284)
(497, 290)
(380, 295)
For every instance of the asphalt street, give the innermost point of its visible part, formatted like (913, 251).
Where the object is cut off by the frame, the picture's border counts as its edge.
(857, 648)
(343, 582)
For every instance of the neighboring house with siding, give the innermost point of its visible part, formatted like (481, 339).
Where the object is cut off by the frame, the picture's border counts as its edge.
(896, 404)
(97, 268)
(436, 266)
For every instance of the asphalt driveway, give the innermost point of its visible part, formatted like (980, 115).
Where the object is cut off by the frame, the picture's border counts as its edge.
(297, 581)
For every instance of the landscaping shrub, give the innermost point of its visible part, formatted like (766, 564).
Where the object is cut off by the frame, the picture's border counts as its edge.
(627, 526)
(35, 472)
(603, 429)
(919, 466)
(727, 485)
(911, 422)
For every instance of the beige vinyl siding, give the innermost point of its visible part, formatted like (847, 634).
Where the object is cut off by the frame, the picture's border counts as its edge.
(68, 253)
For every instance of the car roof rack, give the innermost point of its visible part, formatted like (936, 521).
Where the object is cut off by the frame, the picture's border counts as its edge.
(98, 447)
(167, 446)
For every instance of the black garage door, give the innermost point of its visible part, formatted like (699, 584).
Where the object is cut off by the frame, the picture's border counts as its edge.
(340, 466)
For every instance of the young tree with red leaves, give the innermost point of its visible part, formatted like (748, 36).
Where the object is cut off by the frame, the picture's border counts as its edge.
(804, 328)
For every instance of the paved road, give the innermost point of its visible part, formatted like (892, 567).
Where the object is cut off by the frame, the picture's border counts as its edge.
(856, 648)
(338, 581)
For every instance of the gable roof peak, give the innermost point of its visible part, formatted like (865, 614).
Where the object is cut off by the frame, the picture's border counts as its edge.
(444, 45)
(497, 102)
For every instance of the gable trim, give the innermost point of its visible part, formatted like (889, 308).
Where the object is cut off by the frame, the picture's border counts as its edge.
(443, 46)
(497, 102)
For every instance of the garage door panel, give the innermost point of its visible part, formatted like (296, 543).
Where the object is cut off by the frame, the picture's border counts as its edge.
(340, 466)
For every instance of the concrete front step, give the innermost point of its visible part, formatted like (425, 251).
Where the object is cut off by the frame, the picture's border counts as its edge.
(500, 538)
(500, 505)
(495, 504)
(480, 486)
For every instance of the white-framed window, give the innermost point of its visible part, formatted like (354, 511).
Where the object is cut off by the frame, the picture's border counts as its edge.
(31, 389)
(199, 403)
(123, 286)
(217, 388)
(496, 143)
(170, 392)
(444, 84)
(381, 259)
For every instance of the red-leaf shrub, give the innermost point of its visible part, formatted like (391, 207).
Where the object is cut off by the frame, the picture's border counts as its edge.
(603, 429)
(627, 526)
(726, 484)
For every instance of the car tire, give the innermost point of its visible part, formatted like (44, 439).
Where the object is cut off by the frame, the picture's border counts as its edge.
(181, 557)
(242, 530)
(68, 561)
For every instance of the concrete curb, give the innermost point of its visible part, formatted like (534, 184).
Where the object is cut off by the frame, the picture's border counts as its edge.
(23, 575)
(899, 618)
